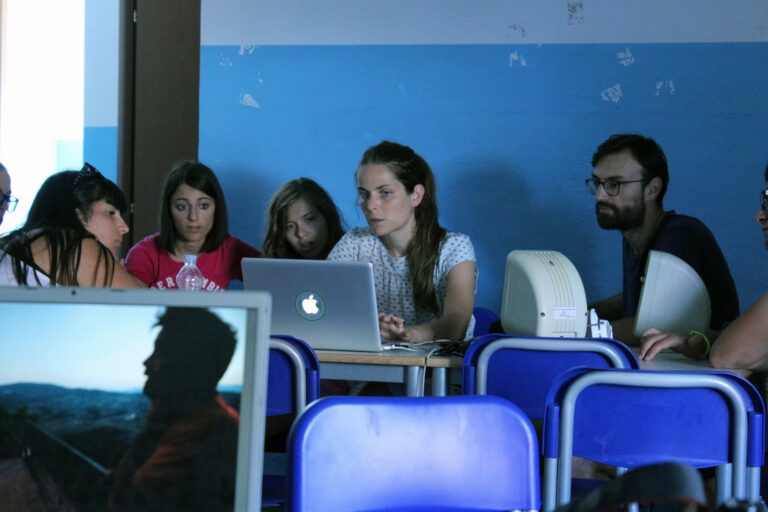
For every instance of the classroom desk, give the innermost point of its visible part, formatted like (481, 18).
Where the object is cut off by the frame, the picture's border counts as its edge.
(400, 366)
(448, 368)
(668, 360)
(408, 367)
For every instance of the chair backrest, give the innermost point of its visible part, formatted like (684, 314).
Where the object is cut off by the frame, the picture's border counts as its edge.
(404, 453)
(293, 379)
(634, 418)
(522, 368)
(484, 318)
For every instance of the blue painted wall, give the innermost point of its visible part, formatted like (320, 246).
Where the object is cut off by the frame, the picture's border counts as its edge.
(100, 85)
(508, 127)
(100, 149)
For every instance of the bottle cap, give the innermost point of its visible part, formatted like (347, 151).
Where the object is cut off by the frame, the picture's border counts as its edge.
(190, 258)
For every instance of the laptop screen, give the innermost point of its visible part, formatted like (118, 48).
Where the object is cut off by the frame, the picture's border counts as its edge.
(329, 304)
(133, 400)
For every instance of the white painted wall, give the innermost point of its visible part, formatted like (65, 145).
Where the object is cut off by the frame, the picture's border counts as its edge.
(338, 22)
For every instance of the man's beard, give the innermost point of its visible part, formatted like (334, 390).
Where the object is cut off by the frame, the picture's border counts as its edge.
(625, 219)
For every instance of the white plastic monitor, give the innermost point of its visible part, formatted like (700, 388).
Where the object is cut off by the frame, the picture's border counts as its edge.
(543, 296)
(673, 298)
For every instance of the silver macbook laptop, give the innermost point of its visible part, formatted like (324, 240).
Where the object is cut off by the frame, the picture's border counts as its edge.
(329, 304)
(73, 382)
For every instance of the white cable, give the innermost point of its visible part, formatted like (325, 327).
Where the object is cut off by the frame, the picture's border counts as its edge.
(426, 359)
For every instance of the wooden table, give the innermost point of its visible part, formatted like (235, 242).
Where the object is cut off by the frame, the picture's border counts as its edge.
(401, 366)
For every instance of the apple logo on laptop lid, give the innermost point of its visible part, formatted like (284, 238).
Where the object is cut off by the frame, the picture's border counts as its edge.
(309, 305)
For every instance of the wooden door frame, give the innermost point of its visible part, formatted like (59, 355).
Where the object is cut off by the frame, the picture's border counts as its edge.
(158, 102)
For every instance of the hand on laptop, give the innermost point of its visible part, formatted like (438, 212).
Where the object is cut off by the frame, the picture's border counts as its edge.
(393, 327)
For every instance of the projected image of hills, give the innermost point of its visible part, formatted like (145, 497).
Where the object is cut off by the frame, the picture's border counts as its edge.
(100, 424)
(72, 398)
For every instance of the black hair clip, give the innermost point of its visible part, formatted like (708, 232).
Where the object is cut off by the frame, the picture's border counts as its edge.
(87, 172)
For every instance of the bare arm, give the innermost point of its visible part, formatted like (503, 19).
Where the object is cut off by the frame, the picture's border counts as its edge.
(457, 312)
(93, 268)
(744, 343)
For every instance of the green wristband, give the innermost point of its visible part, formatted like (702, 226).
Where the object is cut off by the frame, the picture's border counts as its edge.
(706, 340)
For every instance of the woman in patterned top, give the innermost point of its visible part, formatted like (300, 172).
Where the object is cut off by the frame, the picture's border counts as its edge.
(425, 276)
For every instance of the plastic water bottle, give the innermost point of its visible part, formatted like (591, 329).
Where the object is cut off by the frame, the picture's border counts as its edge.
(189, 277)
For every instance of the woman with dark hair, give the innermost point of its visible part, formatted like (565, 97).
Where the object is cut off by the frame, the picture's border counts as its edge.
(193, 220)
(64, 240)
(304, 222)
(425, 276)
(100, 205)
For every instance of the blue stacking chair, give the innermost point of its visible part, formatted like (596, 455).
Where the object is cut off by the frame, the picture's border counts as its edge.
(522, 369)
(293, 382)
(634, 418)
(416, 454)
(293, 379)
(484, 318)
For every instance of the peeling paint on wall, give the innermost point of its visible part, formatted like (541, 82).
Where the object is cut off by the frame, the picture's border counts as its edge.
(575, 13)
(247, 48)
(613, 94)
(667, 86)
(224, 61)
(516, 58)
(518, 29)
(625, 57)
(247, 100)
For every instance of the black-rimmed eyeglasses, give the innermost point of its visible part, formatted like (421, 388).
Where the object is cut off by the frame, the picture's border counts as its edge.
(611, 187)
(8, 202)
(764, 198)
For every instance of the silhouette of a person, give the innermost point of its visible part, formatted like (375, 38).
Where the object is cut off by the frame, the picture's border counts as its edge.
(185, 456)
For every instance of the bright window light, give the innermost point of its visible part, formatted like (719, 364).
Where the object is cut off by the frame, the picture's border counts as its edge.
(41, 94)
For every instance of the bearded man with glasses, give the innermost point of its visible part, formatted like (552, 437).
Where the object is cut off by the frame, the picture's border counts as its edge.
(629, 180)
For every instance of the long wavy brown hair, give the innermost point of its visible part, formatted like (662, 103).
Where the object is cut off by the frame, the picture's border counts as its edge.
(275, 243)
(410, 169)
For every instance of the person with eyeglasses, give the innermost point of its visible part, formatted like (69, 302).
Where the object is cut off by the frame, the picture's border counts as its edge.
(629, 180)
(7, 201)
(742, 344)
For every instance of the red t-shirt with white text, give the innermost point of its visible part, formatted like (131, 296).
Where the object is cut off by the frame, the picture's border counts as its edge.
(155, 268)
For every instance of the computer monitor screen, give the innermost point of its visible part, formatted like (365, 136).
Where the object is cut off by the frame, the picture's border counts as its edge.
(673, 297)
(133, 399)
(543, 296)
